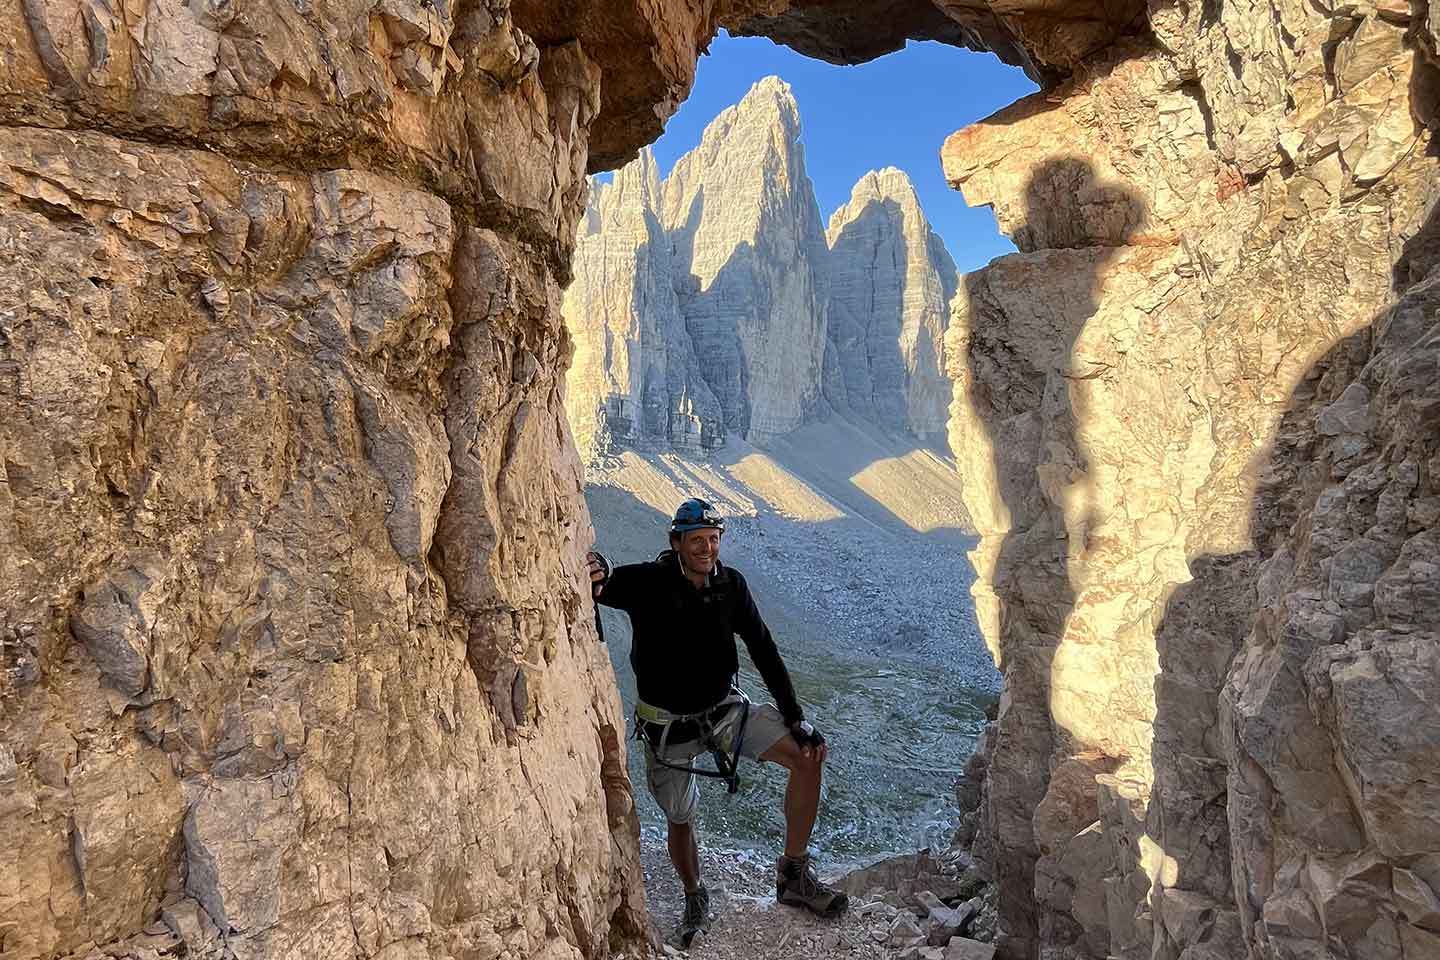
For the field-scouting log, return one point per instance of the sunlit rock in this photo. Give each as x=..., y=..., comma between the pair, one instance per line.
x=635, y=378
x=891, y=283
x=1148, y=396
x=711, y=304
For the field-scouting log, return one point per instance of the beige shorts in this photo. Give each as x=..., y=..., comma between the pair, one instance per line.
x=678, y=792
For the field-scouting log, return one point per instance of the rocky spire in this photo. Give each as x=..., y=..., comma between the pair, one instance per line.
x=749, y=251
x=702, y=305
x=634, y=378
x=891, y=281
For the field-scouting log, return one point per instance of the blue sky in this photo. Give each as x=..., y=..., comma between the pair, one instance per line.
x=895, y=111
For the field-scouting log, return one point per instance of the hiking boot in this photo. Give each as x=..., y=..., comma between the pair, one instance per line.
x=797, y=885
x=696, y=918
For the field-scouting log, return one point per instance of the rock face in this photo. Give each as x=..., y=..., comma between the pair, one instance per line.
x=1194, y=437
x=1045, y=38
x=635, y=378
x=749, y=251
x=712, y=305
x=715, y=323
x=297, y=658
x=891, y=283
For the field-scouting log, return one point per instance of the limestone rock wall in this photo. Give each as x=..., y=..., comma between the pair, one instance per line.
x=749, y=249
x=1331, y=712
x=296, y=656
x=891, y=283
x=699, y=304
x=635, y=379
x=1154, y=429
x=710, y=305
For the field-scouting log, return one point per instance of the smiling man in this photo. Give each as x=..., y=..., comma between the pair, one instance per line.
x=685, y=610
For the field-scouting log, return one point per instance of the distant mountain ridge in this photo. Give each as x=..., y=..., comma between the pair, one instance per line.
x=715, y=303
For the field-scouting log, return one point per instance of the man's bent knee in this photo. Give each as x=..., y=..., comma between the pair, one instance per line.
x=788, y=754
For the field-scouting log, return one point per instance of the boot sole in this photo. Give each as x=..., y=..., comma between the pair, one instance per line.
x=836, y=908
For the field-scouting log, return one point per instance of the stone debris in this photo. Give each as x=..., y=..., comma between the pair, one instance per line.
x=959, y=948
x=920, y=953
x=748, y=923
x=904, y=894
x=905, y=931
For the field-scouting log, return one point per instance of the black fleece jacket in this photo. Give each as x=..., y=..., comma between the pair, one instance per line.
x=683, y=648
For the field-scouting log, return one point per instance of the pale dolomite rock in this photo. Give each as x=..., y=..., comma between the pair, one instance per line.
x=1332, y=708
x=635, y=379
x=709, y=320
x=1198, y=230
x=891, y=282
x=675, y=351
x=749, y=255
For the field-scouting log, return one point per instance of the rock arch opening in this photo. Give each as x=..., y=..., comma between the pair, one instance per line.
x=732, y=345
x=297, y=660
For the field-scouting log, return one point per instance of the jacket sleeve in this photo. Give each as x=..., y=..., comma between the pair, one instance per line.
x=624, y=585
x=764, y=653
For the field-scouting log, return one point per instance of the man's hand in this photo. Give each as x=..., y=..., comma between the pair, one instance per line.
x=599, y=572
x=812, y=741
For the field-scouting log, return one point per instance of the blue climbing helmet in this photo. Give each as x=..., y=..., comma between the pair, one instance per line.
x=696, y=514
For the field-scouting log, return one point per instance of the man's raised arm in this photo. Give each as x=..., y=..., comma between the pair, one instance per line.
x=612, y=586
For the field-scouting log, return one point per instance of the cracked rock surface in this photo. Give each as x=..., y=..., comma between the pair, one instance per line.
x=295, y=657
x=1201, y=457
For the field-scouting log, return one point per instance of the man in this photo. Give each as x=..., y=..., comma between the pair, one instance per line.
x=685, y=608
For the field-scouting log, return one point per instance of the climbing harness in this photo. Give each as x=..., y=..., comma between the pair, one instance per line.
x=654, y=727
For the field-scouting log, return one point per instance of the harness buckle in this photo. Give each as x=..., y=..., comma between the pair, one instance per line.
x=727, y=767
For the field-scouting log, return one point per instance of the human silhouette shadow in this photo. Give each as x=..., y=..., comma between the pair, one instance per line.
x=1204, y=780
x=1025, y=312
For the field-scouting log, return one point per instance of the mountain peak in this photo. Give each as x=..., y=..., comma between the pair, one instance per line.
x=889, y=186
x=731, y=315
x=771, y=86
x=771, y=95
x=889, y=182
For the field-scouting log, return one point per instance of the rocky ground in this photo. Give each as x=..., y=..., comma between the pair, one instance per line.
x=902, y=911
x=851, y=538
x=883, y=595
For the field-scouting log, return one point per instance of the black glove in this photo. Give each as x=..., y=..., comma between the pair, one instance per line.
x=598, y=559
x=806, y=734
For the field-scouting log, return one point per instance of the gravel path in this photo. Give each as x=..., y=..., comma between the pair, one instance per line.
x=748, y=924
